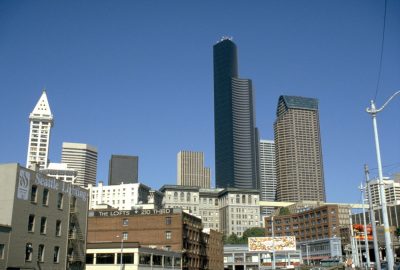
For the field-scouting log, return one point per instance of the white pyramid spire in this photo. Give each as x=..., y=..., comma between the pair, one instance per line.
x=41, y=122
x=42, y=108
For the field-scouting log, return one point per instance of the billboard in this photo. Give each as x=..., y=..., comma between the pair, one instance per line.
x=284, y=243
x=358, y=230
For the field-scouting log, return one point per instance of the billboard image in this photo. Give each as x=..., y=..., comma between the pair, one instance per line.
x=284, y=243
x=358, y=230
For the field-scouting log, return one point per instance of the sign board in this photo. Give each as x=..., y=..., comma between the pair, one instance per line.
x=23, y=185
x=284, y=243
x=113, y=213
x=28, y=178
x=358, y=230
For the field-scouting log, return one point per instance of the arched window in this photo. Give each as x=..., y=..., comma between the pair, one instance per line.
x=243, y=198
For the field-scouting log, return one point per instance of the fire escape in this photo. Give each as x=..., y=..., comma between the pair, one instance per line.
x=76, y=240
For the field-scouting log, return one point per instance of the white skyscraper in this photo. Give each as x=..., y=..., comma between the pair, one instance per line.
x=41, y=122
x=83, y=158
x=267, y=173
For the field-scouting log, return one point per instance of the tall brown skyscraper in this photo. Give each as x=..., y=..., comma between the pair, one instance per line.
x=191, y=170
x=300, y=174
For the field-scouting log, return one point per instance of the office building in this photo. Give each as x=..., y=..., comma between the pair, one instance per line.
x=191, y=170
x=267, y=174
x=42, y=221
x=229, y=211
x=317, y=230
x=40, y=124
x=61, y=172
x=236, y=136
x=167, y=229
x=300, y=175
x=392, y=192
x=82, y=158
x=123, y=169
x=124, y=197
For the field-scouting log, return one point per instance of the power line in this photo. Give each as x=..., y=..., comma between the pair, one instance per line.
x=381, y=56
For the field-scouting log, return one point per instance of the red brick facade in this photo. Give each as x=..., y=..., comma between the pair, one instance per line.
x=170, y=229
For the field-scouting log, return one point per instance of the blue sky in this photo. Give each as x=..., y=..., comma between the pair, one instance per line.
x=135, y=77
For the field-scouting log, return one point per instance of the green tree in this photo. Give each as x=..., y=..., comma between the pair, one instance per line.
x=284, y=211
x=254, y=232
x=232, y=239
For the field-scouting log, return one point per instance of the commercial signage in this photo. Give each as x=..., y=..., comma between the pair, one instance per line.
x=114, y=213
x=284, y=243
x=358, y=230
x=51, y=183
x=23, y=185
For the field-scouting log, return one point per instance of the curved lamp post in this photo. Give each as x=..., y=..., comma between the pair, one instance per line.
x=388, y=242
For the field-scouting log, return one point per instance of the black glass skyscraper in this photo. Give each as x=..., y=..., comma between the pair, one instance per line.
x=236, y=138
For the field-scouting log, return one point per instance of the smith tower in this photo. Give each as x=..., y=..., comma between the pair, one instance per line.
x=300, y=175
x=41, y=122
x=236, y=137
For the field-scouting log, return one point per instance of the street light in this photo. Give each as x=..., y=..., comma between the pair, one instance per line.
x=273, y=243
x=388, y=242
x=362, y=189
x=122, y=250
x=372, y=219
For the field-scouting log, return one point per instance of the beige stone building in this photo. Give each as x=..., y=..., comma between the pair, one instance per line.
x=191, y=170
x=298, y=151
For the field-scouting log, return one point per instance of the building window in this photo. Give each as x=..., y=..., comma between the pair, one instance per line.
x=34, y=194
x=124, y=236
x=45, y=200
x=41, y=253
x=31, y=223
x=125, y=222
x=168, y=235
x=56, y=258
x=28, y=252
x=105, y=258
x=43, y=225
x=168, y=220
x=1, y=251
x=60, y=200
x=58, y=228
x=89, y=258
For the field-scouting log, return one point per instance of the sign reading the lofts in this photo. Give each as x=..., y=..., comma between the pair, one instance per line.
x=134, y=212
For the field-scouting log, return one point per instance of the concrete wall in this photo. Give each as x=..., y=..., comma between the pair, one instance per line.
x=8, y=179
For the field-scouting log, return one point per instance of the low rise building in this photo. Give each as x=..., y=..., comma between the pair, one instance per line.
x=238, y=256
x=60, y=171
x=317, y=229
x=134, y=257
x=168, y=229
x=124, y=196
x=42, y=221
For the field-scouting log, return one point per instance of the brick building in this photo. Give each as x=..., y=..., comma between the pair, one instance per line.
x=317, y=230
x=168, y=229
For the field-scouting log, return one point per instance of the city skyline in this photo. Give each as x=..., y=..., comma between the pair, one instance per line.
x=119, y=80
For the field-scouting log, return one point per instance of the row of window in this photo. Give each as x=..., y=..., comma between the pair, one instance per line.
x=43, y=225
x=128, y=258
x=41, y=252
x=45, y=197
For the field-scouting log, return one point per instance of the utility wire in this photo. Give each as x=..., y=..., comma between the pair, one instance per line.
x=381, y=56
